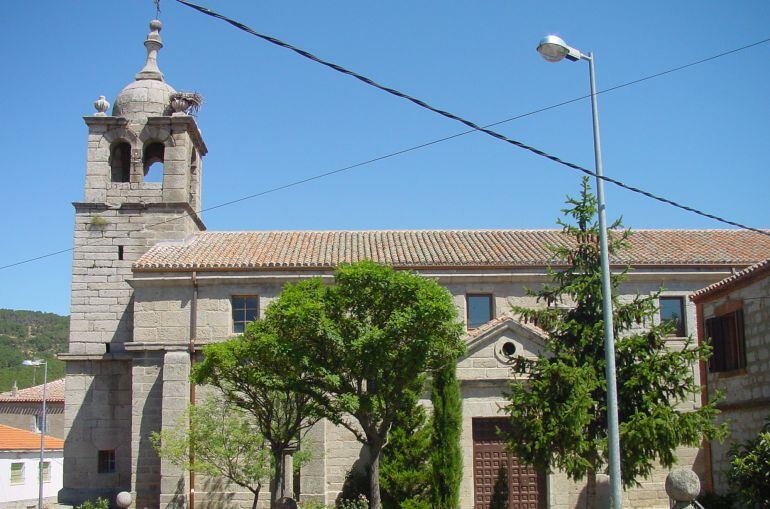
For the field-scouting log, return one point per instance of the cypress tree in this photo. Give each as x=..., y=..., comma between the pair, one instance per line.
x=404, y=469
x=446, y=457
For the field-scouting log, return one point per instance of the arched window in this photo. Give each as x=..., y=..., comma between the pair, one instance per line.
x=120, y=162
x=153, y=162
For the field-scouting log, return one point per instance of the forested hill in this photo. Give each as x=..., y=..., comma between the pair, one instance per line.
x=30, y=335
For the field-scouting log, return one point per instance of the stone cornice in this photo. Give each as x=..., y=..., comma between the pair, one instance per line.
x=166, y=206
x=190, y=125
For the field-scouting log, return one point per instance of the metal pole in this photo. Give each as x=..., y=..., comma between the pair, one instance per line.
x=42, y=436
x=613, y=431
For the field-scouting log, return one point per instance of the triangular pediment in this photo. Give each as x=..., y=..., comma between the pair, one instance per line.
x=492, y=347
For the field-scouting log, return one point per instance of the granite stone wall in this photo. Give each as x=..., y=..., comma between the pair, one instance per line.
x=747, y=391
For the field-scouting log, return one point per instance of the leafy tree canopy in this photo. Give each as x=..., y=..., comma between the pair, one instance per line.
x=226, y=442
x=359, y=346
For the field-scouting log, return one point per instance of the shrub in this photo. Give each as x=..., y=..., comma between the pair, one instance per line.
x=749, y=474
x=99, y=503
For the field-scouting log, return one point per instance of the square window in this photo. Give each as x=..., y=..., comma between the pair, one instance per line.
x=46, y=471
x=672, y=312
x=17, y=473
x=479, y=310
x=727, y=342
x=106, y=462
x=245, y=310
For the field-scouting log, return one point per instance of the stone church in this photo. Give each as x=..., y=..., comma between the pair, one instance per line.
x=150, y=287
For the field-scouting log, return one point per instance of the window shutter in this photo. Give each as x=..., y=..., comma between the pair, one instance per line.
x=740, y=341
x=717, y=347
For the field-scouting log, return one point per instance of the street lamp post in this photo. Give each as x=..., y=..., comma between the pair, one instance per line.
x=42, y=428
x=554, y=49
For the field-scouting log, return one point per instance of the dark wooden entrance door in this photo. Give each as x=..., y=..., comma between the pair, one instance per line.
x=500, y=481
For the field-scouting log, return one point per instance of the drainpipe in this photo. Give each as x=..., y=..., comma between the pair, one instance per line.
x=193, y=333
x=708, y=460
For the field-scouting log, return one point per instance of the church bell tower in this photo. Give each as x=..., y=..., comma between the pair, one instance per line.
x=142, y=186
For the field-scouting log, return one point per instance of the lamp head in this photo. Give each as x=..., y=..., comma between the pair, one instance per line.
x=32, y=363
x=553, y=49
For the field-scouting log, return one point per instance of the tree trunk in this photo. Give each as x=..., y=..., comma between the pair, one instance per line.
x=256, y=498
x=276, y=483
x=375, y=502
x=591, y=490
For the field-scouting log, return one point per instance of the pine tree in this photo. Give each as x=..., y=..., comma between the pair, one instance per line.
x=559, y=418
x=446, y=457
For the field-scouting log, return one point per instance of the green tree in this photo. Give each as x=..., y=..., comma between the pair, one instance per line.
x=749, y=474
x=359, y=346
x=405, y=467
x=559, y=416
x=281, y=415
x=446, y=456
x=226, y=442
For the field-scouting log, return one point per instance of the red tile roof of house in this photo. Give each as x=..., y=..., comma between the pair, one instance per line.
x=15, y=439
x=277, y=250
x=737, y=280
x=54, y=394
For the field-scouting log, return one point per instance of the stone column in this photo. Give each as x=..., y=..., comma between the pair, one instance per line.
x=288, y=476
x=313, y=473
x=176, y=391
x=147, y=395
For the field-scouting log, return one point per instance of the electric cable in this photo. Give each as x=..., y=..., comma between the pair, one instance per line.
x=472, y=125
x=417, y=147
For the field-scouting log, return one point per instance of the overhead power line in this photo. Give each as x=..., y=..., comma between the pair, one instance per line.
x=472, y=125
x=416, y=147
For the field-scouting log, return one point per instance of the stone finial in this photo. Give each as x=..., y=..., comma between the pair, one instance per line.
x=683, y=485
x=101, y=106
x=153, y=43
x=124, y=499
x=180, y=105
x=15, y=390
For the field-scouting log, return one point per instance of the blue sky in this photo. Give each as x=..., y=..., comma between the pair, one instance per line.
x=271, y=117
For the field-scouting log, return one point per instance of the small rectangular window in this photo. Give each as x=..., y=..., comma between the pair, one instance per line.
x=672, y=312
x=17, y=473
x=727, y=342
x=106, y=462
x=46, y=471
x=39, y=424
x=245, y=310
x=480, y=310
x=120, y=252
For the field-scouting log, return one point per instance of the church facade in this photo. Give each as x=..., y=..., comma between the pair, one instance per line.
x=151, y=287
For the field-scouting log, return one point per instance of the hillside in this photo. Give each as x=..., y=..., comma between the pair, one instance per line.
x=30, y=335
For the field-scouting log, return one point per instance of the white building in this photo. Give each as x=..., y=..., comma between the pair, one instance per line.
x=19, y=463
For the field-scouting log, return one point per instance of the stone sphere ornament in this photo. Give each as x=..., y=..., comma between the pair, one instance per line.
x=101, y=106
x=124, y=499
x=683, y=485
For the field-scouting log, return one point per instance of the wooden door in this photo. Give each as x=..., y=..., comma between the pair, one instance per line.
x=498, y=476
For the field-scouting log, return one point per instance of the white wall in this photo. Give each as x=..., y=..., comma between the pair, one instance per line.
x=29, y=489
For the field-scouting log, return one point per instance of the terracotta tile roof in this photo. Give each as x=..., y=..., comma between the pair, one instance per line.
x=737, y=280
x=54, y=394
x=15, y=439
x=259, y=250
